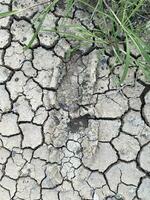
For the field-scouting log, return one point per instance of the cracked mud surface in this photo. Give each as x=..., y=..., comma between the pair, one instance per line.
x=66, y=131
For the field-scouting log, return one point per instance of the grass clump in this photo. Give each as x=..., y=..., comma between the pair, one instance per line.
x=120, y=25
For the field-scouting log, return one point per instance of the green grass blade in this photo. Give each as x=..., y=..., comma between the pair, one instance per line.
x=95, y=9
x=47, y=9
x=10, y=13
x=137, y=7
x=127, y=62
x=69, y=6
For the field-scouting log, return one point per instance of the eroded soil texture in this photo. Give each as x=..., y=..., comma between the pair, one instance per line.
x=67, y=132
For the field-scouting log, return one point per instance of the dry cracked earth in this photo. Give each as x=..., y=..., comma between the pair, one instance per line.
x=66, y=131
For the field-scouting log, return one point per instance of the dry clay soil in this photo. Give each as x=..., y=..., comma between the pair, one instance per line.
x=66, y=131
